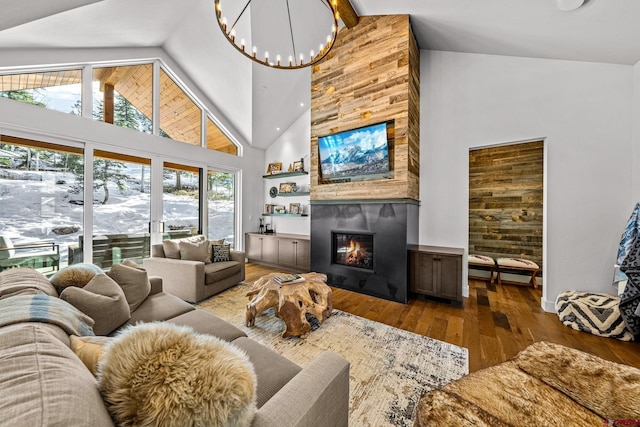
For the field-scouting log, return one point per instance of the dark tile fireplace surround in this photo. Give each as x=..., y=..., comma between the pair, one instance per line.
x=362, y=246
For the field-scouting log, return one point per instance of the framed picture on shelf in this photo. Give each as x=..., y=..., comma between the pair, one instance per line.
x=274, y=168
x=268, y=208
x=298, y=166
x=287, y=187
x=295, y=208
x=278, y=209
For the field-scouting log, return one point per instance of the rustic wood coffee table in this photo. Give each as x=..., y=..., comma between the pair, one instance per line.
x=292, y=302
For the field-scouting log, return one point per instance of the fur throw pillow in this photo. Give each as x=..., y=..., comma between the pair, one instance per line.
x=74, y=275
x=163, y=374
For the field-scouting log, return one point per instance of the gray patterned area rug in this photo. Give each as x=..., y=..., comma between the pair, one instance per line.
x=390, y=368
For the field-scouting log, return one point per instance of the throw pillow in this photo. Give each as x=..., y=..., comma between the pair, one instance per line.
x=164, y=374
x=74, y=275
x=171, y=247
x=220, y=252
x=89, y=350
x=133, y=264
x=102, y=300
x=134, y=283
x=195, y=251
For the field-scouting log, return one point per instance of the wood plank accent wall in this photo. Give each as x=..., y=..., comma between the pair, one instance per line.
x=371, y=75
x=505, y=201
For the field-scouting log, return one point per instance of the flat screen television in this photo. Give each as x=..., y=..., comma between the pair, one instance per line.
x=355, y=154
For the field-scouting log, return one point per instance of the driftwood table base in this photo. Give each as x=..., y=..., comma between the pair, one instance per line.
x=291, y=302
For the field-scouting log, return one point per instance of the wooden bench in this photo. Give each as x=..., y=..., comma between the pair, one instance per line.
x=518, y=266
x=482, y=263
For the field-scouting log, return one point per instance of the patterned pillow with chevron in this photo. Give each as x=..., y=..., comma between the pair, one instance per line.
x=598, y=314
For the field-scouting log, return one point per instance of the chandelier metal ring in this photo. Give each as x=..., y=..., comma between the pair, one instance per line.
x=293, y=57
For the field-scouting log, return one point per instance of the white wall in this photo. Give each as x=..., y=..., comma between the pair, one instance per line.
x=582, y=110
x=292, y=145
x=636, y=133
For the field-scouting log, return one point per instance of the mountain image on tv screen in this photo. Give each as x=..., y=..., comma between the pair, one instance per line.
x=361, y=151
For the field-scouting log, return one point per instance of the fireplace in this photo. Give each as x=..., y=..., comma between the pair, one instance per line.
x=362, y=245
x=352, y=249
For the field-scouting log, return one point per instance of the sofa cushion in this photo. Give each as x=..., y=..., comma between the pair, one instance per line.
x=103, y=300
x=171, y=247
x=134, y=282
x=198, y=251
x=160, y=306
x=44, y=383
x=89, y=350
x=23, y=280
x=164, y=374
x=272, y=369
x=74, y=275
x=206, y=323
x=516, y=398
x=609, y=389
x=439, y=408
x=217, y=271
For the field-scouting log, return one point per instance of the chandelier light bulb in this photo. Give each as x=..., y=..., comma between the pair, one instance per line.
x=242, y=44
x=266, y=56
x=232, y=34
x=290, y=60
x=278, y=59
x=312, y=55
x=301, y=59
x=224, y=23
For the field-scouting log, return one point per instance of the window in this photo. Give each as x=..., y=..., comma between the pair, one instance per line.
x=217, y=140
x=56, y=90
x=221, y=206
x=123, y=96
x=180, y=117
x=41, y=195
x=180, y=200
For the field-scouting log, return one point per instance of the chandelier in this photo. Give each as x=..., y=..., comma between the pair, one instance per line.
x=286, y=34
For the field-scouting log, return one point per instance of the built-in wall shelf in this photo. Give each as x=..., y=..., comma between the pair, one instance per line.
x=285, y=174
x=284, y=214
x=294, y=194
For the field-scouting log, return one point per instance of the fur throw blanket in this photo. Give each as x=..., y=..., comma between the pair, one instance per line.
x=46, y=309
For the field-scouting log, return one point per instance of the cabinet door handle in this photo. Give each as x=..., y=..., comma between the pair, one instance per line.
x=437, y=259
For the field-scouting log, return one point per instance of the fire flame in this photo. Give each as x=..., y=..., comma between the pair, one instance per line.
x=353, y=252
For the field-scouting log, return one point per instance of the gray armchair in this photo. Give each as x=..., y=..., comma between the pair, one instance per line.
x=194, y=281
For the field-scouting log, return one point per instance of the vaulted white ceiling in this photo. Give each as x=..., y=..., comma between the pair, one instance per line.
x=256, y=100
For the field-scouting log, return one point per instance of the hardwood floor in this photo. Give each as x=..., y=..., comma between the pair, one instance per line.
x=494, y=323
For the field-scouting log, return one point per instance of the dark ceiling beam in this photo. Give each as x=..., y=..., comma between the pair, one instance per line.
x=347, y=13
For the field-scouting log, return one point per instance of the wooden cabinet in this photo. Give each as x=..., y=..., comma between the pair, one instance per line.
x=290, y=251
x=436, y=271
x=261, y=248
x=293, y=252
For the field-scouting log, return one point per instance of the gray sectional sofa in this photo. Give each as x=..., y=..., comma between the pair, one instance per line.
x=44, y=383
